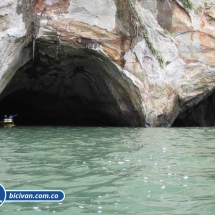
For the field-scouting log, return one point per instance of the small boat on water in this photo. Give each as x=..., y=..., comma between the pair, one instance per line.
x=8, y=121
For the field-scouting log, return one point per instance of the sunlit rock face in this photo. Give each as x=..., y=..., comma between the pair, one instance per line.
x=194, y=34
x=89, y=62
x=16, y=34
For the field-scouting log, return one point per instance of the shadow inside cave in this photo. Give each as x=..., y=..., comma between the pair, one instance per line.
x=201, y=115
x=74, y=86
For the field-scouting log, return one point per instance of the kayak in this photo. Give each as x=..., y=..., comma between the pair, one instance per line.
x=7, y=122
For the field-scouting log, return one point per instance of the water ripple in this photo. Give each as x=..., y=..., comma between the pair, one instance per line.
x=111, y=170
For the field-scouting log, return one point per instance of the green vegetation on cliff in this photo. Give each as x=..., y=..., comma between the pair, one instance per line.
x=188, y=4
x=151, y=46
x=154, y=51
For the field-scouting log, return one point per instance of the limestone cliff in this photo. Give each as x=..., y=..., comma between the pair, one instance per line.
x=139, y=63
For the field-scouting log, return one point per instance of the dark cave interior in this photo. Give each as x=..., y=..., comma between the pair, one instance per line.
x=50, y=110
x=76, y=87
x=203, y=114
x=41, y=95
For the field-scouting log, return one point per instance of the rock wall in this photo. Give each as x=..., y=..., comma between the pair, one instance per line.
x=15, y=35
x=157, y=58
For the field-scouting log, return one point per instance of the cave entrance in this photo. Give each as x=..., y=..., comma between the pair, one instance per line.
x=68, y=86
x=202, y=114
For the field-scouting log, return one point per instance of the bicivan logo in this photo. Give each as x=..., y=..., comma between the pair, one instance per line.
x=2, y=195
x=30, y=195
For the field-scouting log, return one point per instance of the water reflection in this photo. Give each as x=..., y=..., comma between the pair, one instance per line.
x=111, y=170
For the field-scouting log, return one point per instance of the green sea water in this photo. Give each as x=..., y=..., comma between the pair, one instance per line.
x=111, y=170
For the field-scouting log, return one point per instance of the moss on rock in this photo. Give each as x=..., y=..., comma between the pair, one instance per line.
x=188, y=4
x=154, y=51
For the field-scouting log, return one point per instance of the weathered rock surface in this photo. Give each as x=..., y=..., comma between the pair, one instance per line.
x=94, y=59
